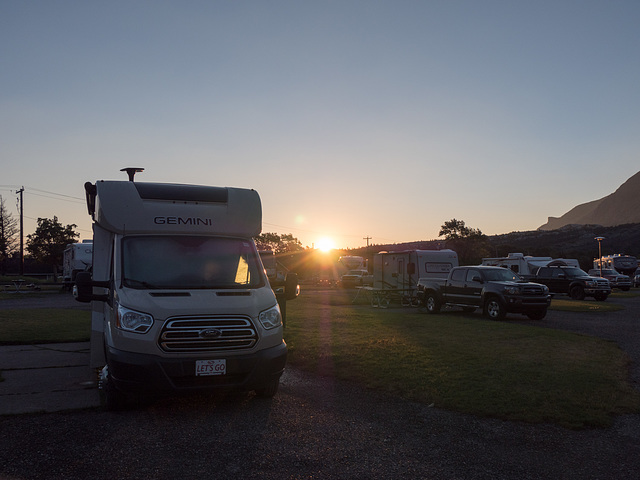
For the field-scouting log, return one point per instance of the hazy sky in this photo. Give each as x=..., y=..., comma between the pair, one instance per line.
x=350, y=118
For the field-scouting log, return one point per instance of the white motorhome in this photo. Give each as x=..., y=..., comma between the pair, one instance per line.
x=527, y=265
x=76, y=258
x=624, y=264
x=402, y=270
x=180, y=299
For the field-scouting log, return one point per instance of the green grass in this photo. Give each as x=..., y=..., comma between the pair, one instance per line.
x=463, y=363
x=44, y=325
x=457, y=362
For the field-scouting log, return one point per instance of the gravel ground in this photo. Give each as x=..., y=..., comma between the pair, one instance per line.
x=317, y=428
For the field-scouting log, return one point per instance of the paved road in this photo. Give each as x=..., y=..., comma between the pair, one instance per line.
x=322, y=429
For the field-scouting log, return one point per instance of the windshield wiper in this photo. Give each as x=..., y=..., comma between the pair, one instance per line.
x=139, y=284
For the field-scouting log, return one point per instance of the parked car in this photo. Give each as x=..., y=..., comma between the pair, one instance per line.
x=574, y=282
x=616, y=280
x=356, y=278
x=495, y=290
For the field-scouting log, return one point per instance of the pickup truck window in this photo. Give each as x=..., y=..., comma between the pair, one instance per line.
x=501, y=275
x=458, y=275
x=471, y=274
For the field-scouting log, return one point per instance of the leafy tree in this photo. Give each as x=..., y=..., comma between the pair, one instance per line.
x=8, y=234
x=48, y=242
x=285, y=243
x=469, y=243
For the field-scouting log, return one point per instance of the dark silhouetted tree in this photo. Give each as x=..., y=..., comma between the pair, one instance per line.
x=285, y=243
x=48, y=242
x=8, y=236
x=469, y=243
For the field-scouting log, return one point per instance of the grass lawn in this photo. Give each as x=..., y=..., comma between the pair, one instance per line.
x=458, y=362
x=44, y=325
x=462, y=362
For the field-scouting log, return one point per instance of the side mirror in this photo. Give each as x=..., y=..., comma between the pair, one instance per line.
x=477, y=279
x=84, y=288
x=291, y=286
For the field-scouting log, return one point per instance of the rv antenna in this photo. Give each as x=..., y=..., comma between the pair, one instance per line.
x=131, y=171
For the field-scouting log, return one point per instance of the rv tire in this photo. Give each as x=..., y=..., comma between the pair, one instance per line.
x=270, y=390
x=111, y=398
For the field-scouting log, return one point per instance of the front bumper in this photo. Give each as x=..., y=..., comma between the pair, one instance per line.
x=524, y=304
x=141, y=373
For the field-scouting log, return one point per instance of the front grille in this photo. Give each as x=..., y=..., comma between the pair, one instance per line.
x=207, y=334
x=602, y=283
x=532, y=290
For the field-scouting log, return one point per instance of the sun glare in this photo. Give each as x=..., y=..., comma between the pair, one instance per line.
x=325, y=244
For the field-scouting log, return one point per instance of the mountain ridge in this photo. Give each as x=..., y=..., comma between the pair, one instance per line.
x=618, y=208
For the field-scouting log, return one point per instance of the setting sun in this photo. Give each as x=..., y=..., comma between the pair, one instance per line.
x=325, y=244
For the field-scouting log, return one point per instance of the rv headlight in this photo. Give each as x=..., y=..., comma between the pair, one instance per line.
x=133, y=321
x=271, y=318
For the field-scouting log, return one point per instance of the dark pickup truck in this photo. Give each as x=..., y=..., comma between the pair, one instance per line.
x=573, y=281
x=496, y=290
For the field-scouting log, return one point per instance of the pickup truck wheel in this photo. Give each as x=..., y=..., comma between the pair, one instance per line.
x=431, y=303
x=577, y=293
x=537, y=314
x=494, y=309
x=600, y=297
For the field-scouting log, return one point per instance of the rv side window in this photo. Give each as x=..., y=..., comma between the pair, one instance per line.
x=190, y=263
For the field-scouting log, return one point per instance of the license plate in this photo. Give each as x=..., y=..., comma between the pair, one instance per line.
x=211, y=367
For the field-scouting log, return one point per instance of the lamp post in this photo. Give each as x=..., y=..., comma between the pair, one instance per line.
x=599, y=240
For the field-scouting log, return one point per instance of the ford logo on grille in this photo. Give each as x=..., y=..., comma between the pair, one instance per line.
x=210, y=333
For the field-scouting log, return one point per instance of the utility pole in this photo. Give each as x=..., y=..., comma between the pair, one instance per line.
x=367, y=239
x=21, y=232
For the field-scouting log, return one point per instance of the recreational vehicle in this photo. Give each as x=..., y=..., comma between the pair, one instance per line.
x=76, y=258
x=624, y=264
x=527, y=266
x=402, y=270
x=179, y=297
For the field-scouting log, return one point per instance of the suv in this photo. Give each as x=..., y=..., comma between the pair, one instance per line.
x=573, y=281
x=617, y=280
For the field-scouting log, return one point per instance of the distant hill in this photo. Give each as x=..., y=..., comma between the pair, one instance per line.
x=619, y=208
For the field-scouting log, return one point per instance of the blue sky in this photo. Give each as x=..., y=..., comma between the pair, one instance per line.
x=350, y=118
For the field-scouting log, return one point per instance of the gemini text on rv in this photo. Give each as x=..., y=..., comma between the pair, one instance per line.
x=181, y=221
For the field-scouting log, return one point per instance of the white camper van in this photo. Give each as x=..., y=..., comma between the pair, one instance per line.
x=76, y=258
x=180, y=299
x=402, y=270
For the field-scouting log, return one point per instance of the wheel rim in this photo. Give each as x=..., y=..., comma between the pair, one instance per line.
x=493, y=309
x=431, y=304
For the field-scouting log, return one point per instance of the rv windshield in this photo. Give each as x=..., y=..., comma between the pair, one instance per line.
x=190, y=262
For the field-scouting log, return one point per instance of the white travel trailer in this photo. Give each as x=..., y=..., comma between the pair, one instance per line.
x=527, y=265
x=76, y=258
x=623, y=264
x=402, y=270
x=180, y=299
